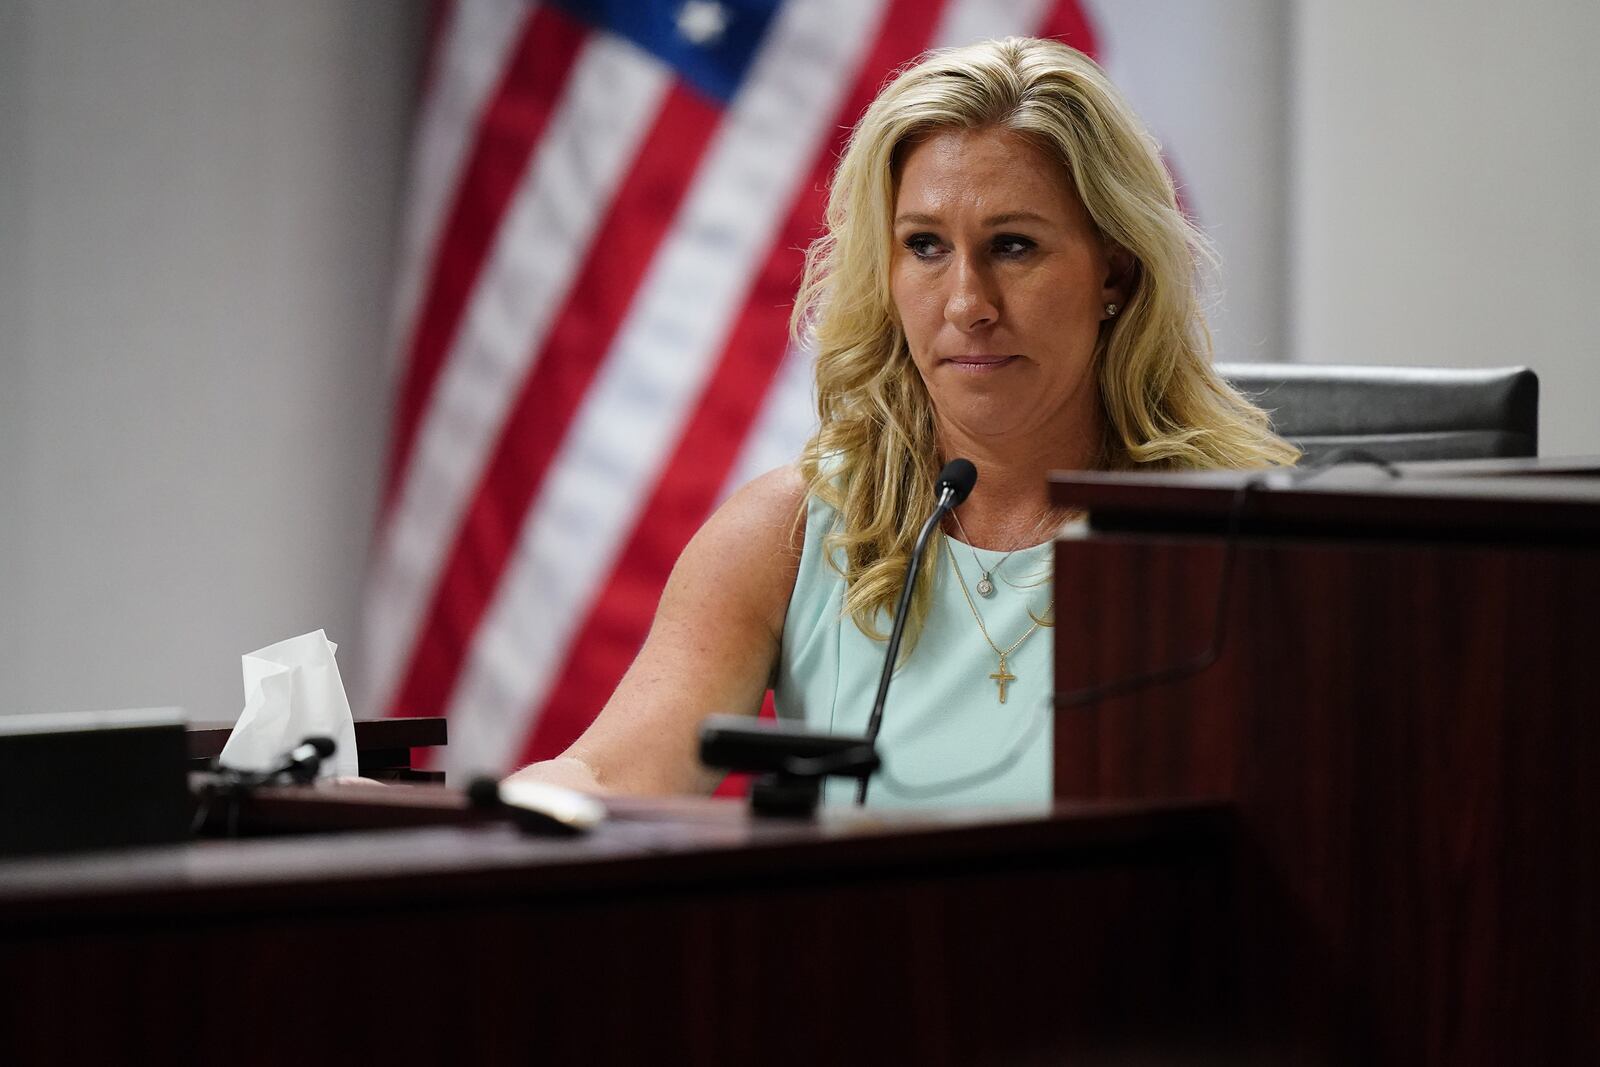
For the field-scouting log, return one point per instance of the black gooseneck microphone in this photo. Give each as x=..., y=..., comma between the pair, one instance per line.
x=954, y=484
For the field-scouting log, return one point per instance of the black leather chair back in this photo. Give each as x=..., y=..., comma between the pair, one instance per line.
x=1396, y=413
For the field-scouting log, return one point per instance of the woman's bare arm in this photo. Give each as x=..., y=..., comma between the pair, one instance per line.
x=711, y=649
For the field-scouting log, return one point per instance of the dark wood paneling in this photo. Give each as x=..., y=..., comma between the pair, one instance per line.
x=1410, y=735
x=1525, y=500
x=704, y=939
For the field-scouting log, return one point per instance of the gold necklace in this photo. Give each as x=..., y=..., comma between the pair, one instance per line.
x=985, y=574
x=1002, y=676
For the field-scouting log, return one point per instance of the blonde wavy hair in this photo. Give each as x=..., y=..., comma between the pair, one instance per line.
x=875, y=456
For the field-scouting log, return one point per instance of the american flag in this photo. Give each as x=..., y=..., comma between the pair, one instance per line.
x=609, y=206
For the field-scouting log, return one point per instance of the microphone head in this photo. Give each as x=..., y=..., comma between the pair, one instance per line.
x=484, y=792
x=959, y=476
x=323, y=746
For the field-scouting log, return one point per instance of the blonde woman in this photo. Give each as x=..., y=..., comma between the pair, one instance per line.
x=1006, y=276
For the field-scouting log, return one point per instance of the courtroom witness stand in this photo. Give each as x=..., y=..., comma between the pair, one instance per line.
x=1006, y=277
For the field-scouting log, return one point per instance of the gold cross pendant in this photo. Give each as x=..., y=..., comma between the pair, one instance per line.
x=1001, y=677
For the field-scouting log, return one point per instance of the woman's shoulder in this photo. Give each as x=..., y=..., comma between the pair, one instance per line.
x=770, y=502
x=751, y=545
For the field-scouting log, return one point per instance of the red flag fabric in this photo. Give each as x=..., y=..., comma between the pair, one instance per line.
x=608, y=211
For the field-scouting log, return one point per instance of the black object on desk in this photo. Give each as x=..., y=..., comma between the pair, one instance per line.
x=791, y=761
x=93, y=779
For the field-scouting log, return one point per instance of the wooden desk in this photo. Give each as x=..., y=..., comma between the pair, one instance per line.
x=1403, y=712
x=681, y=932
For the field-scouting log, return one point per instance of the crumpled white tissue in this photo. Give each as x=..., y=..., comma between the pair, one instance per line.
x=292, y=690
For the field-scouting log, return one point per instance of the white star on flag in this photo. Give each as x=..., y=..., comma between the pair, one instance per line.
x=702, y=22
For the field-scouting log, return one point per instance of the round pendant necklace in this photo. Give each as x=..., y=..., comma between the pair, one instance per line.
x=986, y=575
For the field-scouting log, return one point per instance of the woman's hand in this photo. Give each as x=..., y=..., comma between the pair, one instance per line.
x=564, y=770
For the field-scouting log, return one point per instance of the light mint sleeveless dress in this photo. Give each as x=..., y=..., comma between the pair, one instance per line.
x=946, y=739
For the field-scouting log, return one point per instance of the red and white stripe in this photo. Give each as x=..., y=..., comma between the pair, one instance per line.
x=550, y=224
x=594, y=300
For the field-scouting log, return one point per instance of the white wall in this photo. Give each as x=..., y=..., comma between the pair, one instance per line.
x=197, y=207
x=1210, y=78
x=1446, y=192
x=13, y=255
